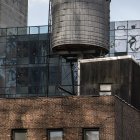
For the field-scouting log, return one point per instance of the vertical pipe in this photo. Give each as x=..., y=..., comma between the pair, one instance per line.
x=78, y=77
x=72, y=77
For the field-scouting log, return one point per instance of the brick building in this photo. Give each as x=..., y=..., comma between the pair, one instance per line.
x=69, y=118
x=30, y=74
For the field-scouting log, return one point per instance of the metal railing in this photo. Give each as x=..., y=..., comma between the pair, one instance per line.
x=24, y=30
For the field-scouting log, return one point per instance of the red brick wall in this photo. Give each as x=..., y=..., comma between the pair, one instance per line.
x=70, y=113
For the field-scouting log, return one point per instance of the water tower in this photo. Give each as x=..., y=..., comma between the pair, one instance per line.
x=80, y=29
x=80, y=26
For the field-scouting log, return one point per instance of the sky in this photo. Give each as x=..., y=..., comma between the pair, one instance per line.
x=120, y=10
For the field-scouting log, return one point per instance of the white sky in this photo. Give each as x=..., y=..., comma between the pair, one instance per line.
x=120, y=10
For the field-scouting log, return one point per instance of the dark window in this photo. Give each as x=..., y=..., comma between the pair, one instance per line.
x=19, y=134
x=22, y=49
x=22, y=76
x=91, y=134
x=55, y=134
x=54, y=75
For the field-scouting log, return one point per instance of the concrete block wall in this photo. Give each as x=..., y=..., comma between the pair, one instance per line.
x=13, y=13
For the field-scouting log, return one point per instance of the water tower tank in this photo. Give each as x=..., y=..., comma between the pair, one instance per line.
x=80, y=25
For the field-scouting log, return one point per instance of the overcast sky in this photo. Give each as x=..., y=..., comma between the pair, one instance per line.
x=120, y=10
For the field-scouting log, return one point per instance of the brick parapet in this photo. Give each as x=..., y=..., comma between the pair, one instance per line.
x=70, y=113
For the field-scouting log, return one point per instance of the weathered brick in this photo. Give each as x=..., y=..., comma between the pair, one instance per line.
x=70, y=113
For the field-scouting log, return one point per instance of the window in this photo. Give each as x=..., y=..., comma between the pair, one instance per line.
x=105, y=89
x=55, y=134
x=91, y=134
x=19, y=134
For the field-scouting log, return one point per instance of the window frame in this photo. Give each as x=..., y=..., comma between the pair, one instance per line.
x=17, y=130
x=90, y=129
x=55, y=130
